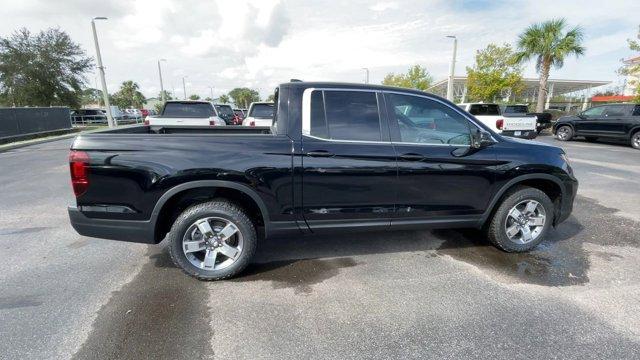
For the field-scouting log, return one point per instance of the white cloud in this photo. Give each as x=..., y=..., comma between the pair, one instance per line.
x=225, y=43
x=382, y=6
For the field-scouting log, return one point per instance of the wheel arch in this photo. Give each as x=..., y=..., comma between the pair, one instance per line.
x=172, y=202
x=546, y=183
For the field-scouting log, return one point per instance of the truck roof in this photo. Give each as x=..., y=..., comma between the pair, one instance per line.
x=338, y=85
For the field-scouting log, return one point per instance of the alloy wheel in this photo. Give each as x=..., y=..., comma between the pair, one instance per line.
x=212, y=243
x=525, y=221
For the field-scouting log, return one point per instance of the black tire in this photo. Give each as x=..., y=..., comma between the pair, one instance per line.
x=635, y=140
x=564, y=133
x=496, y=231
x=591, y=138
x=220, y=209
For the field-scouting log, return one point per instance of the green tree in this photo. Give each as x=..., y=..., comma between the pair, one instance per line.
x=44, y=69
x=629, y=68
x=550, y=43
x=243, y=97
x=417, y=77
x=128, y=96
x=91, y=96
x=167, y=95
x=208, y=99
x=224, y=99
x=494, y=71
x=194, y=97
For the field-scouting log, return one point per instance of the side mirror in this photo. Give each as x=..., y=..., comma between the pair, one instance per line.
x=481, y=139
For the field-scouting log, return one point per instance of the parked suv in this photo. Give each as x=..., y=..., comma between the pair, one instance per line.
x=612, y=121
x=338, y=157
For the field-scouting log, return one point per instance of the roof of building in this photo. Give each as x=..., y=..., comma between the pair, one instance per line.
x=560, y=86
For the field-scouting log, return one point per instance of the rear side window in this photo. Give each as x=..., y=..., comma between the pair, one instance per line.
x=345, y=115
x=636, y=110
x=188, y=110
x=484, y=109
x=262, y=111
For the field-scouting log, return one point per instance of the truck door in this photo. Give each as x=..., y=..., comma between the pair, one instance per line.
x=438, y=176
x=349, y=166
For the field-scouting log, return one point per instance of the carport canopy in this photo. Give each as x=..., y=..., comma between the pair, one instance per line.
x=556, y=87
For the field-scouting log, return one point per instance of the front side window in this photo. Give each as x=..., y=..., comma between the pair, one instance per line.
x=425, y=121
x=345, y=115
x=594, y=111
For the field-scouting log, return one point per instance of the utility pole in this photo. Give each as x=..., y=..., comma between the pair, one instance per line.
x=105, y=93
x=161, y=86
x=211, y=88
x=184, y=88
x=366, y=75
x=452, y=68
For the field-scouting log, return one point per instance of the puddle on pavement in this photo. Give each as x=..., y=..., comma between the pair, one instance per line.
x=29, y=230
x=300, y=275
x=13, y=302
x=161, y=314
x=559, y=261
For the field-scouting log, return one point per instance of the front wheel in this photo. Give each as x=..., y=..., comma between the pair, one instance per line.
x=635, y=140
x=212, y=241
x=564, y=133
x=522, y=220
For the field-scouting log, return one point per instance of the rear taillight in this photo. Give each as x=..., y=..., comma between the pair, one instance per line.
x=252, y=123
x=500, y=124
x=79, y=166
x=212, y=122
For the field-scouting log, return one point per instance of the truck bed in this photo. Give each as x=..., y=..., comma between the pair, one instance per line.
x=150, y=129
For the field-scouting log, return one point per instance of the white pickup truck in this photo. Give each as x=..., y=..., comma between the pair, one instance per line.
x=514, y=126
x=186, y=113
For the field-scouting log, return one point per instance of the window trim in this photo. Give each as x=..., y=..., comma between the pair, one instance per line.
x=306, y=115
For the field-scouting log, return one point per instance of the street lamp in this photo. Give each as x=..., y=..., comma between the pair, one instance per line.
x=105, y=94
x=184, y=87
x=366, y=75
x=211, y=88
x=161, y=86
x=452, y=68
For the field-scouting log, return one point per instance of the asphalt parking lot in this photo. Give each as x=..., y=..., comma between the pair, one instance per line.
x=438, y=294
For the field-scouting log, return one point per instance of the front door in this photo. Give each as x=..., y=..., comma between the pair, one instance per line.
x=349, y=166
x=439, y=175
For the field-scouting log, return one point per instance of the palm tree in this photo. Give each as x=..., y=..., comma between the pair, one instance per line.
x=549, y=44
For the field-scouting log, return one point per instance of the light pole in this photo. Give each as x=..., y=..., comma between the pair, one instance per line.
x=452, y=68
x=211, y=88
x=366, y=75
x=184, y=87
x=161, y=86
x=105, y=94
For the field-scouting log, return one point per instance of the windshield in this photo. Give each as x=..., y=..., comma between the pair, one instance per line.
x=484, y=109
x=224, y=111
x=516, y=109
x=187, y=109
x=262, y=111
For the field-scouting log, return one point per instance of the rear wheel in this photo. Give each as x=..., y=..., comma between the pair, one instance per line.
x=564, y=133
x=635, y=140
x=522, y=220
x=212, y=241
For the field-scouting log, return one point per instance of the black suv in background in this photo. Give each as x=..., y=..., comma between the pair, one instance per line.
x=612, y=121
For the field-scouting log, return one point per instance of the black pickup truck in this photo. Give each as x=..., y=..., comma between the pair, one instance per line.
x=338, y=157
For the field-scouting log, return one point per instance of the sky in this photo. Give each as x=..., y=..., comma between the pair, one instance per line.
x=225, y=44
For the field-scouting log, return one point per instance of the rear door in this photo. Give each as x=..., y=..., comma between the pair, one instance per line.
x=349, y=166
x=615, y=119
x=439, y=176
